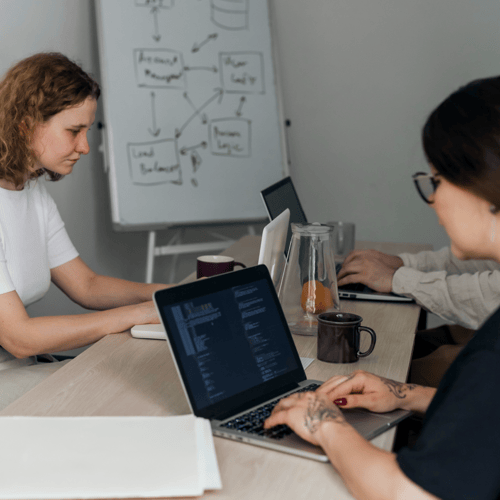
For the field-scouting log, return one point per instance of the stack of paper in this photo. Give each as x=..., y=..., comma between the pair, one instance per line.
x=106, y=457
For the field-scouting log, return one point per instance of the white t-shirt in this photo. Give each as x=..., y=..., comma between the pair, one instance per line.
x=33, y=240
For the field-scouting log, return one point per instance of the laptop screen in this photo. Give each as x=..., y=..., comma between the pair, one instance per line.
x=230, y=340
x=280, y=196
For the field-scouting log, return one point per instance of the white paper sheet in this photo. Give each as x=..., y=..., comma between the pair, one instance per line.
x=106, y=457
x=207, y=462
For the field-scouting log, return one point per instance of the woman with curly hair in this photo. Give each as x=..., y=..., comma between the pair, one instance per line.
x=47, y=106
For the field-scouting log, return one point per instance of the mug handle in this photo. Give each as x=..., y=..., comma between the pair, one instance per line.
x=372, y=345
x=240, y=264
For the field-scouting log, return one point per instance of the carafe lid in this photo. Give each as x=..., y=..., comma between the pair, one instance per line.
x=314, y=229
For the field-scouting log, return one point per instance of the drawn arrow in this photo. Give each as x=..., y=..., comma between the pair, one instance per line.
x=156, y=36
x=155, y=130
x=218, y=95
x=186, y=96
x=221, y=94
x=242, y=101
x=198, y=46
x=185, y=149
x=205, y=68
x=195, y=160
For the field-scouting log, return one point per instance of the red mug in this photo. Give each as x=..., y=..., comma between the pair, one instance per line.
x=210, y=265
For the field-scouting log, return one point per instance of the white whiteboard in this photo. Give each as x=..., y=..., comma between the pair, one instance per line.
x=192, y=122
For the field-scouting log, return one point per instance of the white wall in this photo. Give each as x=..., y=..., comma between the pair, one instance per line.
x=359, y=78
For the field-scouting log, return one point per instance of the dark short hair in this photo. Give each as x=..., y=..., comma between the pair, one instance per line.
x=461, y=138
x=31, y=92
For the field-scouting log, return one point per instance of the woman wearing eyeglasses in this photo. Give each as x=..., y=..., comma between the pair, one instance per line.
x=457, y=454
x=464, y=293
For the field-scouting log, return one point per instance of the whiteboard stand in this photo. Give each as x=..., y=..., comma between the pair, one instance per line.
x=175, y=247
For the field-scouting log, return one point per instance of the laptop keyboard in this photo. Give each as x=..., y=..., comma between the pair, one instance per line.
x=253, y=421
x=353, y=287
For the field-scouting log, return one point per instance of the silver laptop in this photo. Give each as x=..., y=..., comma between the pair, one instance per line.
x=282, y=195
x=272, y=246
x=236, y=358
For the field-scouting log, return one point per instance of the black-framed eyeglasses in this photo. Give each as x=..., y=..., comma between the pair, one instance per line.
x=426, y=185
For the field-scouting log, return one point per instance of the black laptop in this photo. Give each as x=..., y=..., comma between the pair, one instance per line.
x=236, y=358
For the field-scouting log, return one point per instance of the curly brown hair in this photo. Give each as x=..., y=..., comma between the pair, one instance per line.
x=31, y=92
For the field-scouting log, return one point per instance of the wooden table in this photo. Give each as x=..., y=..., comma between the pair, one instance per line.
x=120, y=375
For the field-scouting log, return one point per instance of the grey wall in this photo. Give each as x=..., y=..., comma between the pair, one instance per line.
x=359, y=78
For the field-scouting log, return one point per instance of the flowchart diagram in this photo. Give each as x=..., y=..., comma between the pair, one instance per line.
x=240, y=78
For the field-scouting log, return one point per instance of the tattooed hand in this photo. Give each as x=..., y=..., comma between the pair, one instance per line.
x=366, y=390
x=305, y=413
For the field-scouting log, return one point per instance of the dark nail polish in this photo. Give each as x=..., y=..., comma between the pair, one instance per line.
x=341, y=402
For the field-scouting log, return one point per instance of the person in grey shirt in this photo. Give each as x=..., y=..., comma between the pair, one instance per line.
x=463, y=293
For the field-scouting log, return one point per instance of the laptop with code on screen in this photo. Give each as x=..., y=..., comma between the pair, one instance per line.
x=236, y=358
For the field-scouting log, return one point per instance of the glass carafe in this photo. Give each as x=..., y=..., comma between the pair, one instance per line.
x=309, y=283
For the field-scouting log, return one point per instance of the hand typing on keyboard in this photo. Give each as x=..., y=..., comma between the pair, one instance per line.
x=307, y=414
x=369, y=267
x=253, y=421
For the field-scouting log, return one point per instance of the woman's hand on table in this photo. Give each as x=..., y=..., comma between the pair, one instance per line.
x=306, y=413
x=145, y=313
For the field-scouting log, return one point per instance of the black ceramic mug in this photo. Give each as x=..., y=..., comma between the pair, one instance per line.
x=339, y=337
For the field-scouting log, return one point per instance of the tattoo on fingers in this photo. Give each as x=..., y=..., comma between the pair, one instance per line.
x=318, y=411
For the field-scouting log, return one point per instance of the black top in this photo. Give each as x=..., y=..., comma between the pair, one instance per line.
x=457, y=454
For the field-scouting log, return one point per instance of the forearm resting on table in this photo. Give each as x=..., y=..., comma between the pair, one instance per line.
x=466, y=299
x=105, y=292
x=95, y=291
x=99, y=293
x=368, y=472
x=30, y=336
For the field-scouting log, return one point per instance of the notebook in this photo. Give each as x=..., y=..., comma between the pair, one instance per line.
x=107, y=457
x=272, y=246
x=236, y=358
x=282, y=195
